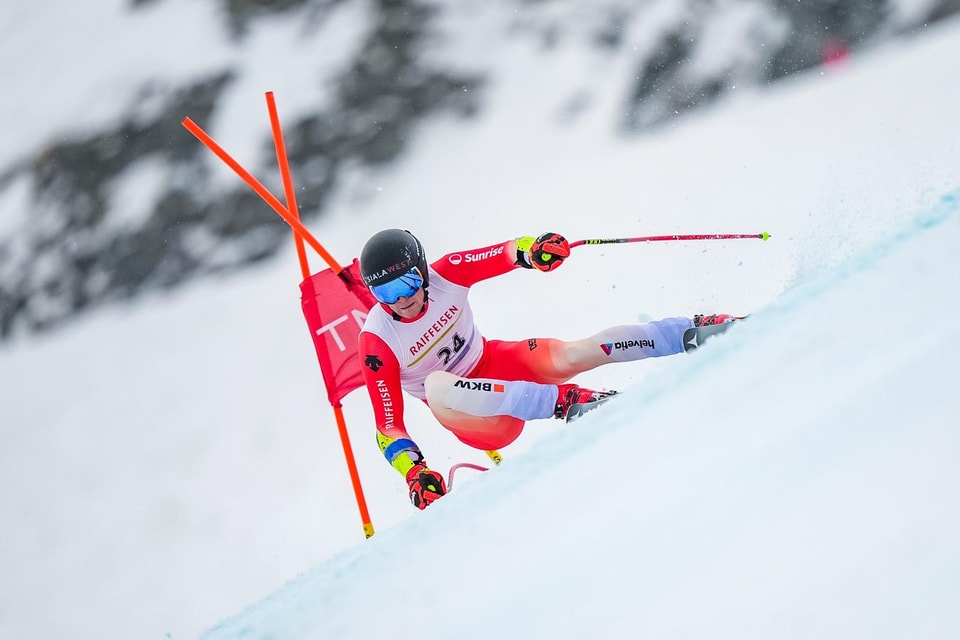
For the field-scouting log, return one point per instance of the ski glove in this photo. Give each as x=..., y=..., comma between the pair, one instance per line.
x=425, y=485
x=545, y=253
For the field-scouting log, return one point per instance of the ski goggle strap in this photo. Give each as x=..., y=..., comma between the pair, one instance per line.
x=402, y=287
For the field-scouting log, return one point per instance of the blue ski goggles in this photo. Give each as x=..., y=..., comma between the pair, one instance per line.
x=402, y=287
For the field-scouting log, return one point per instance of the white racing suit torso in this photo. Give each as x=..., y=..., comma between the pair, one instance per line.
x=445, y=338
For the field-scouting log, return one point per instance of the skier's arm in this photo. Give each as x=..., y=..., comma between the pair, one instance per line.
x=381, y=375
x=466, y=268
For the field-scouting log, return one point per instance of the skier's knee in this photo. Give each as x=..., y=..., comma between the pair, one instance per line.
x=436, y=386
x=571, y=358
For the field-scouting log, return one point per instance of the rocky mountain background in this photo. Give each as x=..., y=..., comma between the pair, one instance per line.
x=67, y=245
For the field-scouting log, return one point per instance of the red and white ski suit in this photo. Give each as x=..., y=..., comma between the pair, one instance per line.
x=399, y=354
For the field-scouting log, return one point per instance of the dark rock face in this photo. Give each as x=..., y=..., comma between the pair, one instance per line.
x=77, y=251
x=823, y=24
x=87, y=260
x=782, y=37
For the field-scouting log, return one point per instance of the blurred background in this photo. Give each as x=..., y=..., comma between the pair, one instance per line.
x=166, y=452
x=103, y=195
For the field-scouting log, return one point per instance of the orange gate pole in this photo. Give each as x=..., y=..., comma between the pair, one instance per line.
x=291, y=198
x=302, y=235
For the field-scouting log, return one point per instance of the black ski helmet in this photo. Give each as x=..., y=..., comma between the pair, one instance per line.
x=389, y=254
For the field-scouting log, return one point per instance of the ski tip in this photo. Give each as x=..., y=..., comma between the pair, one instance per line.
x=764, y=235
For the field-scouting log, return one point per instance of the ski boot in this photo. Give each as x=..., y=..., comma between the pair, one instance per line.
x=707, y=326
x=574, y=401
x=702, y=320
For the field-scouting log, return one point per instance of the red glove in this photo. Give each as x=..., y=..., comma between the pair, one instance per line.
x=548, y=251
x=425, y=485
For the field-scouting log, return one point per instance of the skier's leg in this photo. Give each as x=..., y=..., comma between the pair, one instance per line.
x=487, y=414
x=555, y=361
x=486, y=434
x=623, y=344
x=518, y=381
x=485, y=431
x=490, y=397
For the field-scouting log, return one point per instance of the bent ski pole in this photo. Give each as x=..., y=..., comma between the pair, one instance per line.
x=763, y=235
x=461, y=465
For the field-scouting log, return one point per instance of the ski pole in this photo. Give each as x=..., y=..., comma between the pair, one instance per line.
x=461, y=465
x=763, y=235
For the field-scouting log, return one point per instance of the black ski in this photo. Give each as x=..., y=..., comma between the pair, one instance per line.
x=695, y=336
x=577, y=410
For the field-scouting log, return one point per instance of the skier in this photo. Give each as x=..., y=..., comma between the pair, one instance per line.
x=422, y=339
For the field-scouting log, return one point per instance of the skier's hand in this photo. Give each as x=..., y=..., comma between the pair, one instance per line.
x=545, y=253
x=425, y=485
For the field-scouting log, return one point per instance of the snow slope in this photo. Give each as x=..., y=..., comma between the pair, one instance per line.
x=794, y=479
x=163, y=466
